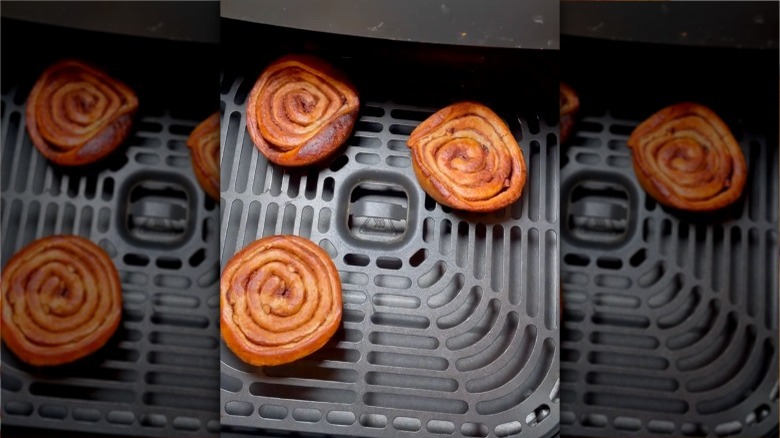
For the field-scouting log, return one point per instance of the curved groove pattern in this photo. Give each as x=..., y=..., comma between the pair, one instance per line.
x=668, y=293
x=749, y=378
x=433, y=276
x=682, y=312
x=463, y=312
x=726, y=367
x=514, y=364
x=479, y=331
x=534, y=379
x=652, y=276
x=716, y=347
x=710, y=321
x=448, y=294
x=495, y=350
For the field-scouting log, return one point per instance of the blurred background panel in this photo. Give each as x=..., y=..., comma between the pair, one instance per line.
x=158, y=375
x=670, y=319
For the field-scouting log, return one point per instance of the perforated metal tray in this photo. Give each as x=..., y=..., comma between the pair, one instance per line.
x=450, y=320
x=158, y=375
x=670, y=319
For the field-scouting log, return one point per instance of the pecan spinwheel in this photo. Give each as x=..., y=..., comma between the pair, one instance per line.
x=204, y=145
x=570, y=104
x=77, y=114
x=466, y=157
x=61, y=300
x=300, y=111
x=685, y=157
x=280, y=299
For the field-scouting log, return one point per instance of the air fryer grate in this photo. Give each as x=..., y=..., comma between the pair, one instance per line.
x=670, y=318
x=157, y=375
x=450, y=319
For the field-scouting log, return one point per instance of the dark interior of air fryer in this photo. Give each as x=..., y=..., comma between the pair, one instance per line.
x=670, y=318
x=450, y=319
x=157, y=375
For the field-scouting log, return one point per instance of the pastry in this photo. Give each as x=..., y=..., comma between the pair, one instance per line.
x=685, y=157
x=300, y=111
x=76, y=114
x=570, y=104
x=466, y=157
x=204, y=146
x=280, y=300
x=61, y=300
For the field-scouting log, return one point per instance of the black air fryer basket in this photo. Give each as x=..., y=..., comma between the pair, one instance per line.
x=670, y=318
x=450, y=320
x=158, y=375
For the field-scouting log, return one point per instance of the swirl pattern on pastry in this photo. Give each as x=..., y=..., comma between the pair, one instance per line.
x=685, y=157
x=570, y=104
x=465, y=157
x=300, y=111
x=61, y=300
x=204, y=146
x=77, y=114
x=280, y=300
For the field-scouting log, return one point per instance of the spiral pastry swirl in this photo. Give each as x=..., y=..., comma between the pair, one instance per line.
x=280, y=300
x=465, y=157
x=300, y=111
x=61, y=300
x=570, y=104
x=76, y=114
x=685, y=157
x=204, y=146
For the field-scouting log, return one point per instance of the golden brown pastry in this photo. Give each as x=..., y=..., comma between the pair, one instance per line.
x=466, y=157
x=280, y=299
x=300, y=110
x=570, y=104
x=61, y=300
x=204, y=146
x=685, y=157
x=76, y=114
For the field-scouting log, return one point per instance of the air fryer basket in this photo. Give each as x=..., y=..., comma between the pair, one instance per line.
x=158, y=375
x=670, y=318
x=450, y=320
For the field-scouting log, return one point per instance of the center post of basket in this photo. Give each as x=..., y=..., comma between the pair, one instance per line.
x=377, y=209
x=599, y=210
x=159, y=210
